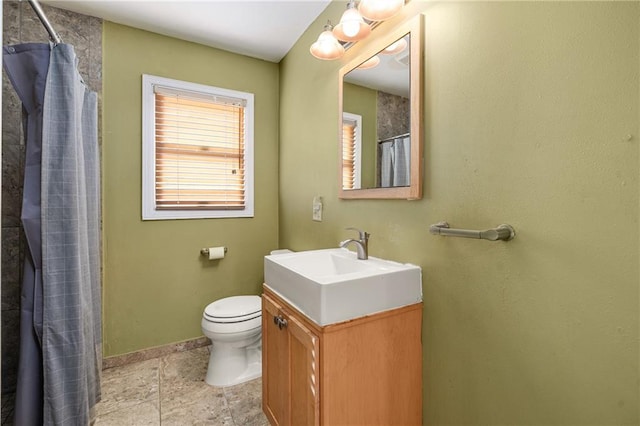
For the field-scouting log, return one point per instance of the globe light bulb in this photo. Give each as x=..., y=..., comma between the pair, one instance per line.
x=327, y=47
x=396, y=47
x=351, y=22
x=351, y=27
x=370, y=63
x=379, y=10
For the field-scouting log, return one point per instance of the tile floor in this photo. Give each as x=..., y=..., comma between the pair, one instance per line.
x=171, y=391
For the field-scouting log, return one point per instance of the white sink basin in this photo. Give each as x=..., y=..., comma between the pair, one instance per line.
x=332, y=285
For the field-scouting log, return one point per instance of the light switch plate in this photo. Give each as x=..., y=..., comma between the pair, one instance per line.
x=317, y=209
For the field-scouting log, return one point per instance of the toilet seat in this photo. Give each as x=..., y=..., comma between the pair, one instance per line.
x=236, y=314
x=233, y=309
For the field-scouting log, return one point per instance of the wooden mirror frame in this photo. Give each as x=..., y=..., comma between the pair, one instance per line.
x=380, y=39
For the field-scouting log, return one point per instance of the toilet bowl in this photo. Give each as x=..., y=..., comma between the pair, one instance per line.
x=234, y=325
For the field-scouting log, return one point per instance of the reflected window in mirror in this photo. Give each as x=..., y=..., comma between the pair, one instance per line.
x=351, y=151
x=382, y=84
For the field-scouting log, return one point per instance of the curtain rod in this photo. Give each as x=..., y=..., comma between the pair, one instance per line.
x=404, y=135
x=43, y=18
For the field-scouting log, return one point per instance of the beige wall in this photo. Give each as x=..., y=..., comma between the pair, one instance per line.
x=155, y=282
x=528, y=108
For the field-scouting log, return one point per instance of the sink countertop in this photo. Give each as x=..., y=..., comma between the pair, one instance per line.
x=332, y=285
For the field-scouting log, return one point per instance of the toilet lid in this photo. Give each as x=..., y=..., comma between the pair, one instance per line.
x=235, y=308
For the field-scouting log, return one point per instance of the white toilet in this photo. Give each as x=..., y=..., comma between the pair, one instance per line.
x=234, y=325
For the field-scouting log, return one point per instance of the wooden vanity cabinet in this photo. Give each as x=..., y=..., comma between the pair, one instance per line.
x=289, y=351
x=366, y=371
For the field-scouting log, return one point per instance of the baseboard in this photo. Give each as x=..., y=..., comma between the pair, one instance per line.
x=156, y=352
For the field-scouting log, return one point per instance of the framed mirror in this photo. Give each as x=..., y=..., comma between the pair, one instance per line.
x=380, y=104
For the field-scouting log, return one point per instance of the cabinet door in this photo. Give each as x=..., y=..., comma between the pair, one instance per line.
x=304, y=358
x=275, y=364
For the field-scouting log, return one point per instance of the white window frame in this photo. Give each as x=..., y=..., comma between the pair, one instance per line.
x=350, y=117
x=149, y=211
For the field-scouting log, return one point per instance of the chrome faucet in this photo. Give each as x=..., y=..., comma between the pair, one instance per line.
x=362, y=243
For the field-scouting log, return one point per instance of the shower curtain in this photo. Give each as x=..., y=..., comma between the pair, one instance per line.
x=60, y=332
x=395, y=161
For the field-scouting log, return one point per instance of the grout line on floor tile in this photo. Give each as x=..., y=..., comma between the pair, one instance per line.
x=160, y=369
x=226, y=401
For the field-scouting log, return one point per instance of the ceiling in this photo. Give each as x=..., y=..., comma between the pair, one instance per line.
x=391, y=75
x=264, y=29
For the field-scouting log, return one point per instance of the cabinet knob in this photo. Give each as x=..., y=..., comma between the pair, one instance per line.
x=280, y=321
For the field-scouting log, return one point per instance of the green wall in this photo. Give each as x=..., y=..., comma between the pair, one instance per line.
x=156, y=285
x=528, y=108
x=363, y=101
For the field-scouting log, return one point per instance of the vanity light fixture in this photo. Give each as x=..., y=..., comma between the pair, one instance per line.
x=355, y=24
x=379, y=10
x=351, y=26
x=396, y=47
x=372, y=62
x=327, y=47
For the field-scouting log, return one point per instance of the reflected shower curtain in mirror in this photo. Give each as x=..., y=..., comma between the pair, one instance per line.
x=60, y=332
x=395, y=162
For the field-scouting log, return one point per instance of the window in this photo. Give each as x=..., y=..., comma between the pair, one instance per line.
x=351, y=150
x=197, y=151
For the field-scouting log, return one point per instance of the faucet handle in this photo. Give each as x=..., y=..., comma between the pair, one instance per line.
x=362, y=234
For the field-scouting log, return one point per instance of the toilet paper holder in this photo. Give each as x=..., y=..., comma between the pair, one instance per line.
x=205, y=251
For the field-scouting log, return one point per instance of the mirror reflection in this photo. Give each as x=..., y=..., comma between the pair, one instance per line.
x=376, y=127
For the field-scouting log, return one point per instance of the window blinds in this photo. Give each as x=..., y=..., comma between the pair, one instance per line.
x=199, y=151
x=348, y=154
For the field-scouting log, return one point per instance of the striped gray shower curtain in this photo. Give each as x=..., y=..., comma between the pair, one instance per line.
x=395, y=162
x=59, y=374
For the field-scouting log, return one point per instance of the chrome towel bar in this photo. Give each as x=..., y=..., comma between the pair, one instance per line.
x=502, y=232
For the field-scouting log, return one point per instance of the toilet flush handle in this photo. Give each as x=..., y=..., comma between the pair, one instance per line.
x=280, y=321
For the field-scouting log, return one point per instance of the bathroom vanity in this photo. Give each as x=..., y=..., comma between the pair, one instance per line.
x=341, y=340
x=361, y=371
